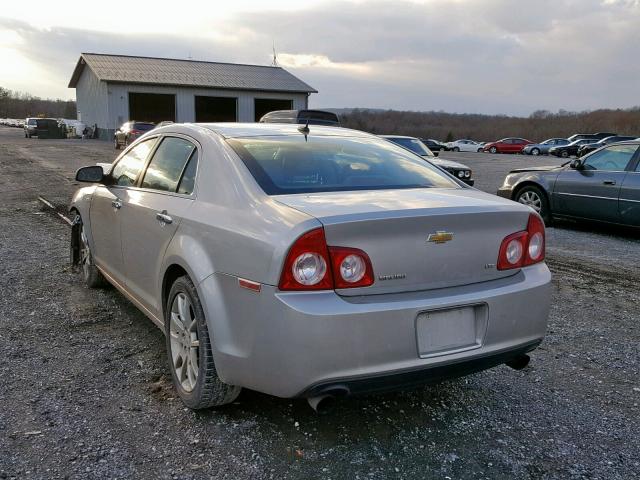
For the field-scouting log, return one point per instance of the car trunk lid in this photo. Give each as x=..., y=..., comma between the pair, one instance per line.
x=417, y=239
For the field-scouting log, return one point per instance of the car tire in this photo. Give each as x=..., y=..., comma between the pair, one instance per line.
x=534, y=197
x=91, y=276
x=480, y=150
x=493, y=150
x=535, y=151
x=455, y=149
x=564, y=154
x=26, y=135
x=188, y=341
x=116, y=144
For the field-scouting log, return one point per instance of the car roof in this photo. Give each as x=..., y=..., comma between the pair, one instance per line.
x=235, y=130
x=399, y=136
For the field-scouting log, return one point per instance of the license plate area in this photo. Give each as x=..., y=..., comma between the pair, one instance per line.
x=451, y=330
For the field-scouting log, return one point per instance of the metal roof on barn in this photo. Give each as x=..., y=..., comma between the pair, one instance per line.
x=189, y=73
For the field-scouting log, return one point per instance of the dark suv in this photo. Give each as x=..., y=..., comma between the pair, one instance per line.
x=313, y=117
x=130, y=131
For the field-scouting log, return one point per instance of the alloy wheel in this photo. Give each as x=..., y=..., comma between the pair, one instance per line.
x=531, y=199
x=184, y=342
x=85, y=254
x=535, y=151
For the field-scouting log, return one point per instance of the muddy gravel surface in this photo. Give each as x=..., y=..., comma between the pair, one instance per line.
x=85, y=389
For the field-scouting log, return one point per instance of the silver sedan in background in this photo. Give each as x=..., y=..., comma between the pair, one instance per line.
x=305, y=261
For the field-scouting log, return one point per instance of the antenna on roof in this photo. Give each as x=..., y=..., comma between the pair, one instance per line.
x=275, y=57
x=304, y=130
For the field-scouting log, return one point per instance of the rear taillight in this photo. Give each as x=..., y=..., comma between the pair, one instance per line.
x=135, y=132
x=523, y=248
x=311, y=265
x=307, y=264
x=351, y=267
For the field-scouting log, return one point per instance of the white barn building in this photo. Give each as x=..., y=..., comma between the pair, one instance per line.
x=113, y=89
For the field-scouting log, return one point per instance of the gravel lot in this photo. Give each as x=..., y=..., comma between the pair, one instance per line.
x=86, y=390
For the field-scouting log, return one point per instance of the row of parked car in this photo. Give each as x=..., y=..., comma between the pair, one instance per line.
x=12, y=122
x=576, y=145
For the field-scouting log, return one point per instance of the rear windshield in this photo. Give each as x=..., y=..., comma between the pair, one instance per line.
x=317, y=115
x=293, y=164
x=413, y=144
x=143, y=126
x=32, y=121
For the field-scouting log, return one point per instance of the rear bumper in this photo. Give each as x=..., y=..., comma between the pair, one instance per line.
x=297, y=343
x=423, y=376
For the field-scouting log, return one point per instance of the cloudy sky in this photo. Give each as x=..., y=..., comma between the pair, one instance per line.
x=481, y=56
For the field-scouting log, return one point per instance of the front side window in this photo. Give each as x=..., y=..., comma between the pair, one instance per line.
x=612, y=159
x=128, y=167
x=295, y=164
x=168, y=162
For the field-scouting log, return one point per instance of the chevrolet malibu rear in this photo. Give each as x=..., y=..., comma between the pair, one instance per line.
x=318, y=261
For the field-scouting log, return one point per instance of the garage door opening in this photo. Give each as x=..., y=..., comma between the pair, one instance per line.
x=152, y=107
x=266, y=105
x=216, y=109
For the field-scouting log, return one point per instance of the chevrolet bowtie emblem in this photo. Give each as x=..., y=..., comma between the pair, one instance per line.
x=440, y=237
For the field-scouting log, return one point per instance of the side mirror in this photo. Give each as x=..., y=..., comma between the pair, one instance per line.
x=576, y=164
x=92, y=174
x=436, y=153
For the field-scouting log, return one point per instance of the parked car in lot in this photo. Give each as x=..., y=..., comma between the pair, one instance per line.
x=542, y=148
x=464, y=145
x=434, y=145
x=333, y=252
x=507, y=145
x=602, y=186
x=458, y=170
x=592, y=136
x=30, y=127
x=569, y=150
x=130, y=131
x=590, y=147
x=312, y=117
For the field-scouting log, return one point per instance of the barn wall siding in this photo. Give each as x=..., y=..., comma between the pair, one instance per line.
x=107, y=104
x=91, y=99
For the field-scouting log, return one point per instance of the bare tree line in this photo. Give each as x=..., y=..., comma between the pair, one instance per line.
x=538, y=126
x=21, y=105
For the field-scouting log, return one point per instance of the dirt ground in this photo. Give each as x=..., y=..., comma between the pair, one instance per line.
x=85, y=389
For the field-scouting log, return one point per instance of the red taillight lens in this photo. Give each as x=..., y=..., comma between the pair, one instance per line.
x=311, y=265
x=512, y=251
x=307, y=264
x=536, y=242
x=523, y=248
x=351, y=267
x=135, y=132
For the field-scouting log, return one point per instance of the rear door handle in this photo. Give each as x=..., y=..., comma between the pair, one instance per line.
x=117, y=204
x=163, y=218
x=609, y=182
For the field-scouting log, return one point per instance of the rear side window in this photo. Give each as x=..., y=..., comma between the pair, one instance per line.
x=168, y=163
x=128, y=167
x=295, y=164
x=612, y=159
x=188, y=180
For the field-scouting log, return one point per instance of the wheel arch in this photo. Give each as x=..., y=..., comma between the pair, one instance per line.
x=529, y=183
x=171, y=274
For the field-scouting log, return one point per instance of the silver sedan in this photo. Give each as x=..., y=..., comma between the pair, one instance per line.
x=310, y=261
